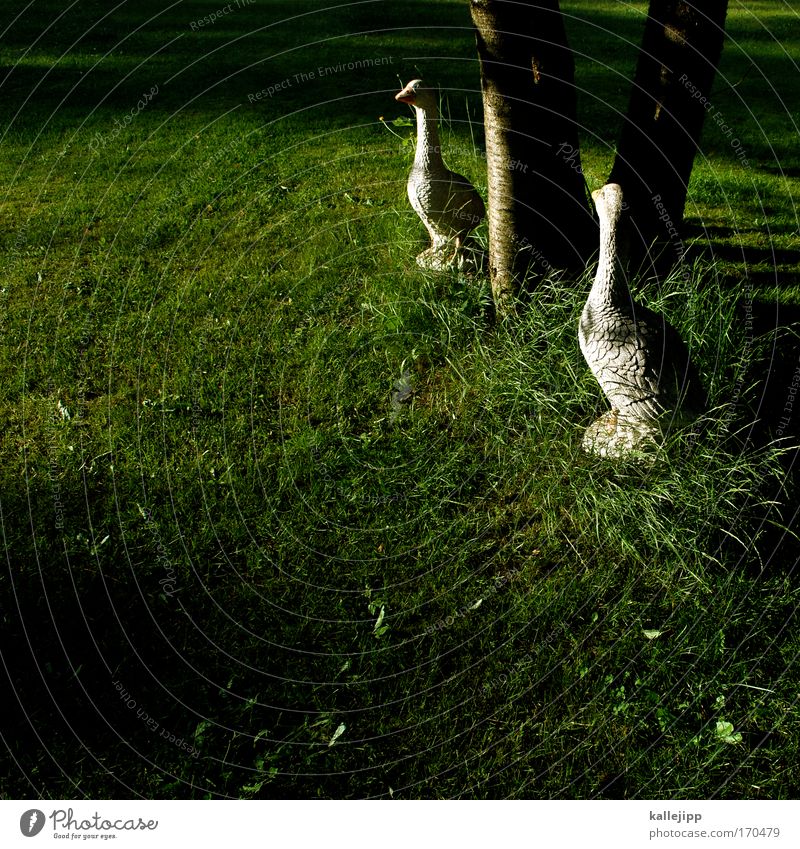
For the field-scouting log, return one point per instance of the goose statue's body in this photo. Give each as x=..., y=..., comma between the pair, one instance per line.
x=638, y=358
x=448, y=204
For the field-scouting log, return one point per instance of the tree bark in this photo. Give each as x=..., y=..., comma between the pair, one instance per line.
x=539, y=216
x=677, y=63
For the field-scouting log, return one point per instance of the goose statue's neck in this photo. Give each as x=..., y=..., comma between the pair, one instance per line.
x=609, y=285
x=429, y=153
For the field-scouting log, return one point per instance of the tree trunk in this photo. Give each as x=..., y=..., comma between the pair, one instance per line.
x=677, y=63
x=539, y=217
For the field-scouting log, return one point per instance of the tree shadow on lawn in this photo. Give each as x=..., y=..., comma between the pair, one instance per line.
x=290, y=57
x=748, y=256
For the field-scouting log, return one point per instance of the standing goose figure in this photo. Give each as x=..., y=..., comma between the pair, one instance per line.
x=639, y=360
x=447, y=203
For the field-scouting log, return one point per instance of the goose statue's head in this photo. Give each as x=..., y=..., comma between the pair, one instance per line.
x=609, y=204
x=417, y=94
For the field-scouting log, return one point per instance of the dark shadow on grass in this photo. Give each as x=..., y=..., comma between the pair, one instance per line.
x=746, y=255
x=778, y=170
x=287, y=57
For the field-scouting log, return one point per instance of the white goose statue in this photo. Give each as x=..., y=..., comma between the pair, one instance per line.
x=448, y=204
x=638, y=358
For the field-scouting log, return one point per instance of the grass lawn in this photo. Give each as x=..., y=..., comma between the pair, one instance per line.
x=237, y=565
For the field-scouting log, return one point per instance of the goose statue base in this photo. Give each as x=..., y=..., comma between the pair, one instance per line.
x=441, y=258
x=614, y=437
x=449, y=256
